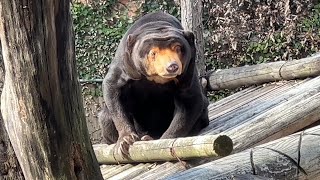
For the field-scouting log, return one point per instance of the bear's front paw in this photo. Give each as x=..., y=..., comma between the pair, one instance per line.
x=146, y=138
x=124, y=143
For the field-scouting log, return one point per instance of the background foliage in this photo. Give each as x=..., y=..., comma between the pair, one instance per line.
x=236, y=32
x=250, y=32
x=98, y=30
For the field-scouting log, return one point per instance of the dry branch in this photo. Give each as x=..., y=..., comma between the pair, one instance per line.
x=293, y=157
x=167, y=149
x=263, y=73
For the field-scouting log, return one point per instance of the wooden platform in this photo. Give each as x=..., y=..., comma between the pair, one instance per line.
x=251, y=117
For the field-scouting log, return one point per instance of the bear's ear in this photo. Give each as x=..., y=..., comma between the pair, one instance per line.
x=130, y=42
x=129, y=66
x=189, y=37
x=191, y=40
x=190, y=67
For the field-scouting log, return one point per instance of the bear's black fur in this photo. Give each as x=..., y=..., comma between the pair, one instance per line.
x=152, y=88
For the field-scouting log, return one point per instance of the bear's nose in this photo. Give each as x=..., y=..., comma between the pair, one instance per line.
x=173, y=67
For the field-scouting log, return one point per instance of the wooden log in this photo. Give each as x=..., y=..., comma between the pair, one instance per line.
x=293, y=157
x=163, y=170
x=109, y=172
x=133, y=172
x=167, y=149
x=263, y=73
x=41, y=101
x=294, y=110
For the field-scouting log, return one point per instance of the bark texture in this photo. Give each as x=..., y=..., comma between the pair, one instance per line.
x=191, y=19
x=9, y=165
x=41, y=102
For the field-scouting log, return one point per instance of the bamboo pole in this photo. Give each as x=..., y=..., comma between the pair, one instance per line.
x=263, y=73
x=167, y=149
x=293, y=157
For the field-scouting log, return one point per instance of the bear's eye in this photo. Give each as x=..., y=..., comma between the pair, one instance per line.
x=178, y=49
x=152, y=54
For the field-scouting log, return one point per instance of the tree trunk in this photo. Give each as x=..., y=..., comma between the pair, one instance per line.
x=191, y=19
x=9, y=165
x=41, y=102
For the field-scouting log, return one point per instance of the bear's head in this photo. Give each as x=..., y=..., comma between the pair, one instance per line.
x=160, y=54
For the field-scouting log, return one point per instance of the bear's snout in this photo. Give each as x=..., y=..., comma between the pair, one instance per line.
x=172, y=67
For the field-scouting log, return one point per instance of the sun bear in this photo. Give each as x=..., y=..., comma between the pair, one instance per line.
x=152, y=89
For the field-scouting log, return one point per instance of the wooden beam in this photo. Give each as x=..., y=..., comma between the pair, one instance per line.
x=293, y=157
x=272, y=119
x=263, y=73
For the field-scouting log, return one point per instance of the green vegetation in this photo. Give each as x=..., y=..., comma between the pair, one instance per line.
x=97, y=34
x=166, y=6
x=265, y=51
x=303, y=41
x=236, y=38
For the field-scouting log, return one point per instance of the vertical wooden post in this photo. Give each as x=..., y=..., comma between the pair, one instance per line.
x=191, y=19
x=41, y=101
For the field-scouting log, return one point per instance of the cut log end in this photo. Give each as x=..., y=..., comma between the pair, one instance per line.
x=223, y=145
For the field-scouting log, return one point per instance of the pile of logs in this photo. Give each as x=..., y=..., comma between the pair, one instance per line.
x=296, y=156
x=262, y=146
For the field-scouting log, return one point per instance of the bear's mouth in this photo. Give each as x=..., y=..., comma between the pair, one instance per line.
x=168, y=76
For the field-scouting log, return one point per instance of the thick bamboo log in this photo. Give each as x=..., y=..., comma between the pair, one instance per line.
x=263, y=73
x=167, y=149
x=293, y=157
